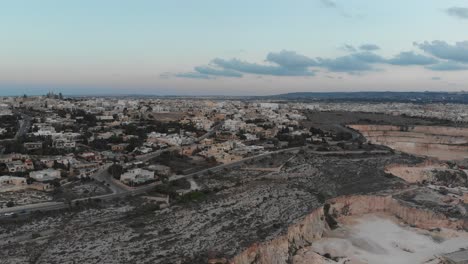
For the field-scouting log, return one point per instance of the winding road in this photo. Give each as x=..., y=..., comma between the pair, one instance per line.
x=120, y=193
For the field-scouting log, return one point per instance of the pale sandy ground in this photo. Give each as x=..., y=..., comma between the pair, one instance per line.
x=381, y=239
x=416, y=173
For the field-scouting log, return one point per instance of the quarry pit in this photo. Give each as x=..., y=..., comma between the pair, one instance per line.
x=315, y=208
x=440, y=142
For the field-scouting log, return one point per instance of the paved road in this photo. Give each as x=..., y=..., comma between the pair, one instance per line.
x=233, y=164
x=103, y=176
x=139, y=190
x=51, y=206
x=355, y=135
x=210, y=132
x=295, y=149
x=25, y=124
x=156, y=153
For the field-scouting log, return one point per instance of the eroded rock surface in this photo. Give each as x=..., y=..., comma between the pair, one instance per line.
x=241, y=211
x=422, y=172
x=444, y=143
x=295, y=245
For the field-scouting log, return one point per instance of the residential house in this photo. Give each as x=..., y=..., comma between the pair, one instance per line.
x=105, y=118
x=119, y=147
x=45, y=175
x=90, y=156
x=137, y=176
x=160, y=170
x=12, y=180
x=6, y=158
x=189, y=150
x=45, y=131
x=32, y=145
x=16, y=166
x=63, y=143
x=144, y=150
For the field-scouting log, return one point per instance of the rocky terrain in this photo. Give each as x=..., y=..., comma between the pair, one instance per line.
x=280, y=209
x=430, y=171
x=234, y=211
x=416, y=173
x=295, y=245
x=381, y=238
x=444, y=143
x=24, y=197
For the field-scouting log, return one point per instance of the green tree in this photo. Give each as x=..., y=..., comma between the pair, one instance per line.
x=115, y=170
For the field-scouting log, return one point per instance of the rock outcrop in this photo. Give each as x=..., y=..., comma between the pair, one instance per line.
x=287, y=247
x=284, y=247
x=444, y=143
x=416, y=173
x=421, y=218
x=238, y=209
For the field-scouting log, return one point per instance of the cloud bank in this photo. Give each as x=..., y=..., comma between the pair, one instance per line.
x=458, y=12
x=443, y=50
x=406, y=58
x=369, y=47
x=436, y=55
x=328, y=3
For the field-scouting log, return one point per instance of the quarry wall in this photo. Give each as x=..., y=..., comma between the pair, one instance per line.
x=282, y=249
x=443, y=143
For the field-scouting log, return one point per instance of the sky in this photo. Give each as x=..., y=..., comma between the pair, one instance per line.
x=217, y=47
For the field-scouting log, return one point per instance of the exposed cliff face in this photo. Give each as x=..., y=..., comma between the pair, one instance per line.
x=425, y=219
x=306, y=256
x=240, y=208
x=287, y=247
x=444, y=143
x=284, y=247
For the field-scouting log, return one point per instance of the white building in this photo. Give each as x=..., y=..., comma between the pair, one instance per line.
x=273, y=106
x=45, y=131
x=105, y=118
x=137, y=176
x=45, y=175
x=160, y=170
x=13, y=180
x=250, y=137
x=63, y=143
x=16, y=166
x=233, y=125
x=5, y=110
x=170, y=139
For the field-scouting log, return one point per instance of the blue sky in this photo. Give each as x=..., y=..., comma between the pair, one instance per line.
x=232, y=47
